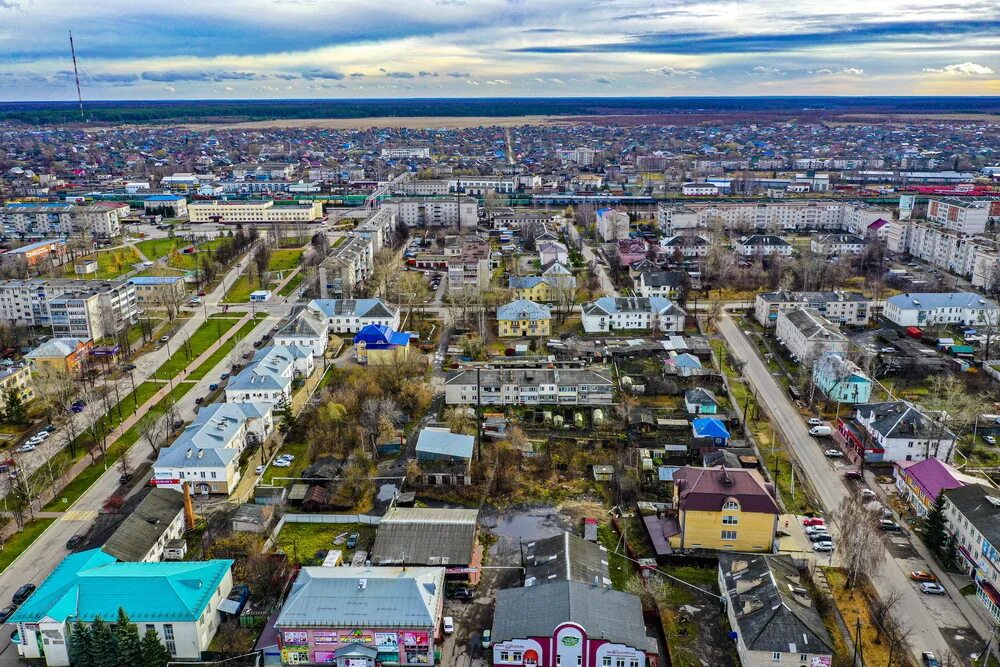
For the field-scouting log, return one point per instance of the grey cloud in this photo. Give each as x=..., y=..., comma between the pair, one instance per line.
x=170, y=75
x=322, y=74
x=357, y=75
x=458, y=75
x=286, y=77
x=238, y=76
x=424, y=73
x=399, y=75
x=604, y=80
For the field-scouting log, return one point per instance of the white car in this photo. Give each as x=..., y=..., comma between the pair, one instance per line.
x=281, y=463
x=823, y=546
x=813, y=530
x=990, y=440
x=26, y=447
x=260, y=469
x=449, y=625
x=833, y=453
x=815, y=421
x=286, y=457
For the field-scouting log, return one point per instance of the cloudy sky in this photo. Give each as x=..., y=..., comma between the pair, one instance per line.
x=186, y=49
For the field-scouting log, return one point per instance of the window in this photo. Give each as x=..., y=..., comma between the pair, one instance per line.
x=731, y=505
x=730, y=520
x=579, y=660
x=606, y=662
x=803, y=657
x=504, y=656
x=729, y=534
x=168, y=638
x=776, y=656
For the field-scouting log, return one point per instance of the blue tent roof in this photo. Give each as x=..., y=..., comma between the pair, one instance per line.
x=379, y=336
x=707, y=427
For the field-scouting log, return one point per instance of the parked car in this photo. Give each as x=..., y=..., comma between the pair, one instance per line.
x=164, y=339
x=213, y=387
x=8, y=611
x=813, y=521
x=199, y=400
x=866, y=494
x=259, y=470
x=930, y=660
x=990, y=440
x=932, y=588
x=888, y=525
x=352, y=540
x=287, y=457
x=282, y=463
x=80, y=402
x=224, y=376
x=76, y=409
x=819, y=537
x=462, y=593
x=818, y=528
x=487, y=638
x=833, y=453
x=202, y=294
x=26, y=447
x=258, y=343
x=825, y=546
x=449, y=625
x=128, y=367
x=74, y=542
x=920, y=575
x=815, y=421
x=852, y=474
x=23, y=593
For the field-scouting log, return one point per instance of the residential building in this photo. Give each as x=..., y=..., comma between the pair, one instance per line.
x=771, y=612
x=565, y=557
x=973, y=519
x=584, y=156
x=379, y=226
x=700, y=401
x=253, y=211
x=49, y=252
x=528, y=386
x=894, y=431
x=458, y=212
x=930, y=309
x=406, y=152
x=840, y=379
x=844, y=308
x=362, y=616
x=158, y=291
x=612, y=225
x=699, y=189
x=85, y=309
x=269, y=375
x=631, y=251
x=763, y=245
x=179, y=601
x=206, y=455
x=352, y=315
x=15, y=380
x=532, y=288
x=144, y=534
x=807, y=335
x=347, y=267
x=960, y=215
x=709, y=431
x=663, y=284
x=422, y=187
x=522, y=318
x=723, y=509
x=633, y=313
x=468, y=260
x=480, y=185
x=263, y=171
x=63, y=355
x=688, y=246
x=436, y=537
x=838, y=245
x=305, y=328
x=378, y=345
x=550, y=252
x=445, y=458
x=921, y=482
x=42, y=221
x=774, y=216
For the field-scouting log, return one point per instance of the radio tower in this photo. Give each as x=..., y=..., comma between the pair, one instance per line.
x=76, y=73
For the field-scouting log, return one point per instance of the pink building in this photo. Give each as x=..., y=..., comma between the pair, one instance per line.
x=631, y=251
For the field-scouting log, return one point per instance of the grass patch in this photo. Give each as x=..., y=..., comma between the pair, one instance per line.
x=200, y=340
x=18, y=542
x=216, y=358
x=240, y=290
x=110, y=263
x=156, y=248
x=621, y=570
x=300, y=450
x=283, y=260
x=292, y=284
x=853, y=605
x=303, y=542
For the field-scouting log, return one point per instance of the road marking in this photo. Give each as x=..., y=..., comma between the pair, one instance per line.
x=80, y=515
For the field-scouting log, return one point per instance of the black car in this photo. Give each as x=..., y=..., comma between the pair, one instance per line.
x=7, y=612
x=23, y=593
x=128, y=367
x=74, y=542
x=199, y=400
x=461, y=594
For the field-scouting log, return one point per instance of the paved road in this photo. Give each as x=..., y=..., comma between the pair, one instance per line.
x=926, y=635
x=607, y=287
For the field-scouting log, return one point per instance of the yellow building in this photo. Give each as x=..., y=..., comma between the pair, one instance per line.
x=60, y=354
x=723, y=509
x=16, y=379
x=523, y=318
x=531, y=288
x=379, y=345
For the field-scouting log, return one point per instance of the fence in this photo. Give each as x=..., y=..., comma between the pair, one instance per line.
x=318, y=518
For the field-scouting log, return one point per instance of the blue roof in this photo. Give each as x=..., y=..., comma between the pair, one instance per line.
x=524, y=282
x=380, y=336
x=934, y=300
x=155, y=280
x=444, y=442
x=163, y=198
x=92, y=583
x=707, y=427
x=522, y=309
x=35, y=245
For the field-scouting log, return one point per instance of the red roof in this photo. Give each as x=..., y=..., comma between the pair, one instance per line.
x=878, y=224
x=707, y=489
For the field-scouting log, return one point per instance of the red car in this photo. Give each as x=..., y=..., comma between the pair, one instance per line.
x=813, y=521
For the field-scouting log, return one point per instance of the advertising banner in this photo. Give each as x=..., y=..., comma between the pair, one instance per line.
x=386, y=642
x=295, y=638
x=324, y=637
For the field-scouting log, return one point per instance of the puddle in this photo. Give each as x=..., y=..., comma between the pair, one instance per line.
x=386, y=492
x=531, y=524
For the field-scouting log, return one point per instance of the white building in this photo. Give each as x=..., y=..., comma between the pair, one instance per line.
x=807, y=334
x=264, y=170
x=85, y=309
x=254, y=211
x=352, y=315
x=844, y=308
x=305, y=328
x=480, y=185
x=52, y=220
x=456, y=212
x=584, y=156
x=964, y=217
x=348, y=267
x=818, y=215
x=896, y=431
x=929, y=309
x=763, y=245
x=690, y=246
x=528, y=386
x=406, y=152
x=268, y=377
x=143, y=536
x=612, y=225
x=633, y=313
x=838, y=244
x=552, y=251
x=972, y=513
x=699, y=189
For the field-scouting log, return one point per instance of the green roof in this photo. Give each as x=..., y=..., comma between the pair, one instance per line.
x=92, y=583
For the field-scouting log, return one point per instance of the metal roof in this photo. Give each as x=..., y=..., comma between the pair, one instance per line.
x=425, y=536
x=143, y=527
x=442, y=441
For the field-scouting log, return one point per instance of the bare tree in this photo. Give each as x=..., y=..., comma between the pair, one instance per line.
x=860, y=546
x=151, y=429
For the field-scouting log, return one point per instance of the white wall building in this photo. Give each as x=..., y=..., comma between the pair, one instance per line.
x=435, y=211
x=612, y=225
x=251, y=211
x=763, y=245
x=807, y=335
x=305, y=328
x=51, y=220
x=773, y=216
x=633, y=313
x=964, y=217
x=850, y=308
x=268, y=377
x=351, y=315
x=928, y=309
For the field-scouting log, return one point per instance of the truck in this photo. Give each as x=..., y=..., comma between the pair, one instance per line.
x=820, y=431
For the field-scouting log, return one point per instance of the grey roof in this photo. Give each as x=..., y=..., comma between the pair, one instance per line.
x=980, y=504
x=364, y=597
x=536, y=611
x=773, y=611
x=422, y=536
x=898, y=419
x=662, y=278
x=842, y=238
x=528, y=377
x=354, y=307
x=565, y=557
x=700, y=396
x=250, y=513
x=813, y=325
x=935, y=300
x=764, y=240
x=303, y=322
x=143, y=527
x=608, y=305
x=442, y=441
x=809, y=298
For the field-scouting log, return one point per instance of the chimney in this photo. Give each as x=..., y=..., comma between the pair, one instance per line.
x=188, y=507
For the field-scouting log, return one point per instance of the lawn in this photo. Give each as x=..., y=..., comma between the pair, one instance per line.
x=304, y=541
x=16, y=545
x=283, y=260
x=190, y=261
x=853, y=605
x=621, y=570
x=201, y=340
x=216, y=358
x=156, y=248
x=110, y=263
x=292, y=284
x=300, y=450
x=240, y=290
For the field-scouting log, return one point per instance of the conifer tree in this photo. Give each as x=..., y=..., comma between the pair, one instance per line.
x=103, y=652
x=154, y=653
x=79, y=645
x=934, y=527
x=128, y=641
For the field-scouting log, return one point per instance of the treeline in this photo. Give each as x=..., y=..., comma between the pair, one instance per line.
x=48, y=113
x=229, y=249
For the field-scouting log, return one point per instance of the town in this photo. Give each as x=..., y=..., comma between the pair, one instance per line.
x=615, y=395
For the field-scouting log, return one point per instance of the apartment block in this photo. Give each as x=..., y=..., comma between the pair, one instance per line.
x=49, y=220
x=246, y=211
x=85, y=309
x=807, y=335
x=964, y=217
x=459, y=212
x=850, y=308
x=528, y=386
x=799, y=214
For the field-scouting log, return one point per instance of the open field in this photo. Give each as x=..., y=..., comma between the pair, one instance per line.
x=428, y=122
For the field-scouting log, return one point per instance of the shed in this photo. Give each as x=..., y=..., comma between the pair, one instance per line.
x=298, y=493
x=270, y=495
x=603, y=473
x=251, y=518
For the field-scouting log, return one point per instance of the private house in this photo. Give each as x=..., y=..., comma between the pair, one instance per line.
x=379, y=345
x=143, y=536
x=431, y=536
x=838, y=244
x=894, y=431
x=269, y=375
x=710, y=429
x=445, y=458
x=700, y=401
x=60, y=354
x=631, y=251
x=558, y=274
x=973, y=520
x=528, y=386
x=844, y=308
x=15, y=380
x=611, y=225
x=841, y=380
x=179, y=601
x=522, y=318
x=774, y=618
x=807, y=335
x=763, y=245
x=632, y=313
x=362, y=616
x=929, y=309
x=207, y=454
x=664, y=284
x=305, y=328
x=351, y=315
x=552, y=251
x=159, y=291
x=684, y=364
x=555, y=283
x=686, y=246
x=722, y=509
x=920, y=482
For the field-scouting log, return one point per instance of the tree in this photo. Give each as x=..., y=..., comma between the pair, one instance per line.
x=934, y=526
x=150, y=428
x=285, y=414
x=79, y=645
x=413, y=289
x=860, y=545
x=955, y=410
x=413, y=472
x=54, y=389
x=154, y=653
x=261, y=257
x=14, y=411
x=386, y=273
x=103, y=650
x=128, y=641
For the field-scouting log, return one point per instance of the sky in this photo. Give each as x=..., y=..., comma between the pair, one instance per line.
x=243, y=49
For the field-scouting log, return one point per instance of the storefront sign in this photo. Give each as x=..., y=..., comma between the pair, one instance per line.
x=386, y=642
x=461, y=570
x=820, y=661
x=415, y=638
x=324, y=637
x=295, y=655
x=357, y=637
x=295, y=638
x=323, y=657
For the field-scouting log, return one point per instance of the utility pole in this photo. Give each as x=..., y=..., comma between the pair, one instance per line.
x=479, y=416
x=76, y=74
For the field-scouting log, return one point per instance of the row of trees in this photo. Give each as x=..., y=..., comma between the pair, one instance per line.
x=104, y=645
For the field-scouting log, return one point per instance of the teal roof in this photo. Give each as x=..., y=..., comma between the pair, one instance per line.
x=92, y=583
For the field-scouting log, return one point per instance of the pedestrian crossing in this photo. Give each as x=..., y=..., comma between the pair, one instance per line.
x=80, y=515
